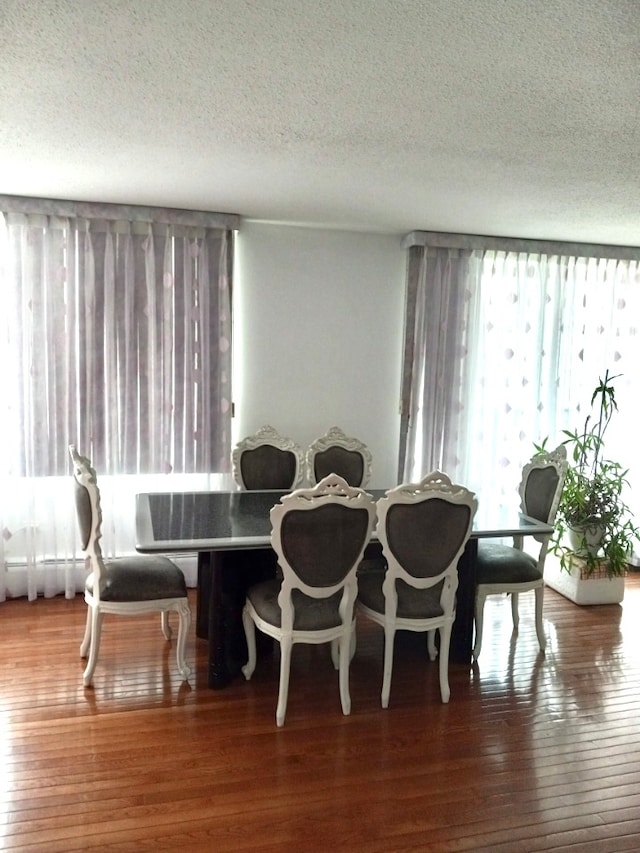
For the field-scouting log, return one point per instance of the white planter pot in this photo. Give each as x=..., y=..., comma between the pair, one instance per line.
x=586, y=539
x=582, y=590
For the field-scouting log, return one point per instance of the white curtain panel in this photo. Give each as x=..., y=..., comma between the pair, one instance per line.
x=441, y=284
x=115, y=335
x=538, y=330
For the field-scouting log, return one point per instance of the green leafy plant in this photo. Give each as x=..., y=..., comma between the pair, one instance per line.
x=592, y=509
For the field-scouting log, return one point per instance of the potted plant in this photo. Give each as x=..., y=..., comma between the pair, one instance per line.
x=593, y=516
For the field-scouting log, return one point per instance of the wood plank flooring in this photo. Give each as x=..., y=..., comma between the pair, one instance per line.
x=533, y=753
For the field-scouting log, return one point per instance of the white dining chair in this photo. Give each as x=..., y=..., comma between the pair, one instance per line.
x=503, y=569
x=123, y=586
x=319, y=535
x=267, y=460
x=337, y=453
x=423, y=528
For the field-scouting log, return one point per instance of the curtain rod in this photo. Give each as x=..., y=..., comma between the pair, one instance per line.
x=440, y=239
x=129, y=212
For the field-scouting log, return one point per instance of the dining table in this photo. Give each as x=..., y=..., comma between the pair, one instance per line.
x=230, y=531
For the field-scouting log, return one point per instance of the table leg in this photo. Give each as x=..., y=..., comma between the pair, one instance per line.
x=210, y=567
x=223, y=579
x=462, y=631
x=203, y=594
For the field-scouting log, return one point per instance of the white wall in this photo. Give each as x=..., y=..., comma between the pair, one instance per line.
x=318, y=336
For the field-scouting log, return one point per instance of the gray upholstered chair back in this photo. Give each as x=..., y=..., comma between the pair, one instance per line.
x=88, y=509
x=348, y=464
x=424, y=537
x=322, y=545
x=84, y=513
x=319, y=535
x=424, y=528
x=337, y=453
x=540, y=491
x=267, y=460
x=542, y=483
x=268, y=467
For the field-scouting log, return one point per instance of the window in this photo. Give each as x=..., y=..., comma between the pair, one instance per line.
x=519, y=335
x=115, y=335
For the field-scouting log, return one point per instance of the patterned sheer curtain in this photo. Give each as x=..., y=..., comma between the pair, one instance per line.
x=541, y=323
x=115, y=335
x=439, y=313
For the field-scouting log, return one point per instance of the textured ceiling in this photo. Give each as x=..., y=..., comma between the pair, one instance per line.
x=502, y=117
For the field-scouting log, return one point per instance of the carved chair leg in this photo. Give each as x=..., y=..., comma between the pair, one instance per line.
x=86, y=640
x=515, y=614
x=96, y=629
x=445, y=640
x=164, y=624
x=184, y=615
x=283, y=690
x=250, y=634
x=431, y=645
x=335, y=653
x=335, y=647
x=389, y=639
x=479, y=618
x=542, y=640
x=352, y=641
x=345, y=697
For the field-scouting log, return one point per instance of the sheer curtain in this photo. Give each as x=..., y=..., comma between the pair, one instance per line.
x=541, y=323
x=439, y=310
x=115, y=334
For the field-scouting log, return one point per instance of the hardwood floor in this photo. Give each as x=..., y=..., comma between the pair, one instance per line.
x=531, y=754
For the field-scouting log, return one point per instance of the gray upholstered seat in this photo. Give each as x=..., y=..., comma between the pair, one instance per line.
x=502, y=564
x=423, y=528
x=125, y=586
x=134, y=578
x=311, y=614
x=319, y=536
x=410, y=605
x=267, y=460
x=336, y=453
x=506, y=569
